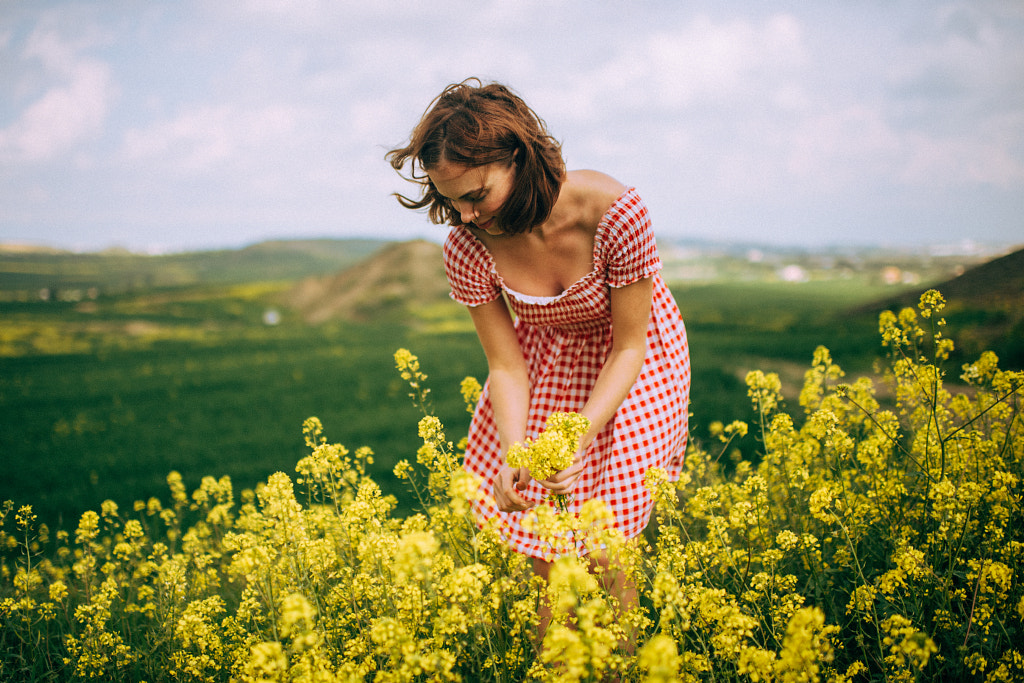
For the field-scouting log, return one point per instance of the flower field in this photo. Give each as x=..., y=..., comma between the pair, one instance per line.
x=878, y=535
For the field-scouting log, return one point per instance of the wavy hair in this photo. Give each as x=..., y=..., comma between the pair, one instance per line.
x=474, y=125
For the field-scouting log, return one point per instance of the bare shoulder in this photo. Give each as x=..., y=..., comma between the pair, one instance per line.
x=596, y=185
x=593, y=192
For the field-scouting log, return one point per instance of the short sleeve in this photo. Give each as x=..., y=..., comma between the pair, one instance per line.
x=629, y=250
x=468, y=267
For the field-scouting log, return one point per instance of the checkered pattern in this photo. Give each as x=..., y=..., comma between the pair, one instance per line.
x=565, y=342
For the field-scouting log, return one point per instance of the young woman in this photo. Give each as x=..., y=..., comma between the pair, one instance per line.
x=561, y=276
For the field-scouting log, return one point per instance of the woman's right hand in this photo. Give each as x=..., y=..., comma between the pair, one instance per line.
x=507, y=486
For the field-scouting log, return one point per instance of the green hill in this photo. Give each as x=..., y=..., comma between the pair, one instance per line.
x=985, y=305
x=25, y=273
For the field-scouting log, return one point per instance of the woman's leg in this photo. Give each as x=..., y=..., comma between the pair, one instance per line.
x=542, y=568
x=613, y=579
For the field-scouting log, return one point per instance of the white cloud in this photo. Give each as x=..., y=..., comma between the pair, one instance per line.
x=72, y=108
x=703, y=62
x=710, y=62
x=952, y=162
x=842, y=145
x=211, y=137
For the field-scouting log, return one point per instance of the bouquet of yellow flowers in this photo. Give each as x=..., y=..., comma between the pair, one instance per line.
x=553, y=449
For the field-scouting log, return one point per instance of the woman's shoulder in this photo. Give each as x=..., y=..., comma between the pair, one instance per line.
x=462, y=244
x=593, y=194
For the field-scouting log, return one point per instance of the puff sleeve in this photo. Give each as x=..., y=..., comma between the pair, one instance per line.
x=630, y=252
x=469, y=268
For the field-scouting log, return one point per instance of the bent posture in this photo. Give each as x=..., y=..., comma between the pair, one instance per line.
x=560, y=272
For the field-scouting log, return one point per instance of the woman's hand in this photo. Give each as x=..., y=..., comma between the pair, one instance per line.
x=563, y=483
x=507, y=485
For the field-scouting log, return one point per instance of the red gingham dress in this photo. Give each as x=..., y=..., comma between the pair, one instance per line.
x=565, y=341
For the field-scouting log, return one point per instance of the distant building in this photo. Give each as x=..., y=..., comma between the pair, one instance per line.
x=892, y=275
x=794, y=273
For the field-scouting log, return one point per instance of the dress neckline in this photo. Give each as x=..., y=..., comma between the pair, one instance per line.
x=599, y=236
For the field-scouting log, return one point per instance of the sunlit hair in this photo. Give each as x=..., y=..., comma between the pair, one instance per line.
x=474, y=125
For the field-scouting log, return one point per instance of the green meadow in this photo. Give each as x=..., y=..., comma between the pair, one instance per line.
x=100, y=398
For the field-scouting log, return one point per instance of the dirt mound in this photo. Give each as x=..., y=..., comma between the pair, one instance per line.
x=396, y=278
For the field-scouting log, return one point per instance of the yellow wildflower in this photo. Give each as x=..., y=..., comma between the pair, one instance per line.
x=659, y=657
x=931, y=302
x=267, y=662
x=805, y=646
x=471, y=390
x=553, y=450
x=757, y=663
x=764, y=390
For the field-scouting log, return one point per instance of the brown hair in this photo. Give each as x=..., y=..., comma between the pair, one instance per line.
x=474, y=125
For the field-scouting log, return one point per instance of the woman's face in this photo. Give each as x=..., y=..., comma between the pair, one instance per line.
x=476, y=192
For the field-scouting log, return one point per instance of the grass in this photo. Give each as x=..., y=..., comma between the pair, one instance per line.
x=81, y=428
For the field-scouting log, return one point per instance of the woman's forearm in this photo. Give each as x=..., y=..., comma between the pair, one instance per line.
x=510, y=400
x=506, y=368
x=613, y=385
x=631, y=312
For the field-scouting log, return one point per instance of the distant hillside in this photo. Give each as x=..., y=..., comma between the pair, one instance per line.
x=984, y=308
x=397, y=278
x=22, y=248
x=28, y=271
x=999, y=281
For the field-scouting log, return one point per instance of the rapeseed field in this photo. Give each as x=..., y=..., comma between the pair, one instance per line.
x=877, y=536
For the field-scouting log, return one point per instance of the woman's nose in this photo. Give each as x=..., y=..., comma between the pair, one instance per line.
x=467, y=211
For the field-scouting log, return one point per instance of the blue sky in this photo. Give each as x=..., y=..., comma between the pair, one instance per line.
x=186, y=125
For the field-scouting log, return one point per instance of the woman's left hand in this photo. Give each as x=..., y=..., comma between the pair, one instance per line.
x=562, y=483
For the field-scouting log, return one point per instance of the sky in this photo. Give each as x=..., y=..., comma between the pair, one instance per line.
x=163, y=126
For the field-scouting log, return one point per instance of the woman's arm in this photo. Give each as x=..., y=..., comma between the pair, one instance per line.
x=631, y=314
x=509, y=393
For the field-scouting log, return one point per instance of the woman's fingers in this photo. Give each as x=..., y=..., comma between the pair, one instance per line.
x=507, y=485
x=561, y=483
x=522, y=478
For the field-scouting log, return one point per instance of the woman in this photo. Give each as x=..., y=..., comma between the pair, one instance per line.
x=561, y=276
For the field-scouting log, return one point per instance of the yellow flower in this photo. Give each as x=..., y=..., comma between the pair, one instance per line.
x=409, y=368
x=765, y=391
x=471, y=391
x=907, y=645
x=406, y=362
x=402, y=469
x=312, y=430
x=931, y=302
x=787, y=540
x=414, y=555
x=297, y=614
x=820, y=504
x=267, y=662
x=24, y=517
x=430, y=429
x=659, y=657
x=553, y=450
x=757, y=663
x=58, y=591
x=88, y=528
x=805, y=646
